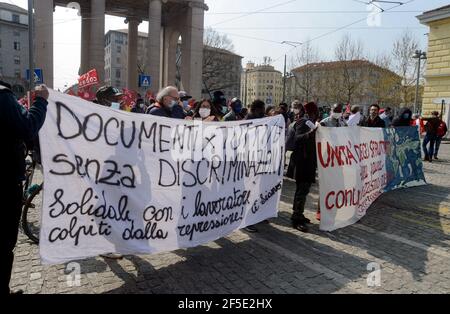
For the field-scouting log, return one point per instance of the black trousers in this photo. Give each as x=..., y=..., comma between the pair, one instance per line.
x=301, y=193
x=11, y=204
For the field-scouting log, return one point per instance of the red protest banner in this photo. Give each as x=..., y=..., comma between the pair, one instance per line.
x=88, y=79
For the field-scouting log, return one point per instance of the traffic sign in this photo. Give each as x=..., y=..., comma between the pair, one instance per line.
x=145, y=80
x=38, y=76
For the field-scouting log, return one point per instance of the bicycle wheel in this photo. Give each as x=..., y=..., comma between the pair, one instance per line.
x=31, y=214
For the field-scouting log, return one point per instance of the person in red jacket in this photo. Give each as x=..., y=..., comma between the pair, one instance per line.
x=442, y=131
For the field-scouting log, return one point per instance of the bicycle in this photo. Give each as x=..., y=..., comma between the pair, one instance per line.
x=32, y=196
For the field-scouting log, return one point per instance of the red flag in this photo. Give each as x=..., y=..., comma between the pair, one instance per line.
x=88, y=79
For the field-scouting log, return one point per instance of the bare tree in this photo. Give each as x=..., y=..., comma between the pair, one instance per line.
x=216, y=72
x=347, y=52
x=384, y=84
x=405, y=65
x=304, y=84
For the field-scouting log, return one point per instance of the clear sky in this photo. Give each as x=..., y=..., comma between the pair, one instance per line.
x=257, y=28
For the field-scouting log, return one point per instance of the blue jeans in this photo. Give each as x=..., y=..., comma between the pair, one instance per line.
x=437, y=145
x=429, y=139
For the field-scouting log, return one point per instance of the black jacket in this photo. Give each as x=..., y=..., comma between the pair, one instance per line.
x=375, y=123
x=305, y=153
x=403, y=119
x=17, y=125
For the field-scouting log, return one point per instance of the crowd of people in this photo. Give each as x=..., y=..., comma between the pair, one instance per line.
x=19, y=125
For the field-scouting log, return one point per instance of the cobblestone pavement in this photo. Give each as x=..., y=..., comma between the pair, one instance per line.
x=406, y=232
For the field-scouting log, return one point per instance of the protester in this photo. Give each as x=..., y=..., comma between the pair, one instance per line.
x=257, y=111
x=355, y=117
x=205, y=111
x=17, y=125
x=220, y=103
x=109, y=96
x=184, y=98
x=242, y=114
x=441, y=132
x=386, y=116
x=168, y=104
x=140, y=106
x=431, y=128
x=418, y=121
x=404, y=118
x=271, y=111
x=235, y=110
x=335, y=120
x=374, y=120
x=306, y=164
x=283, y=109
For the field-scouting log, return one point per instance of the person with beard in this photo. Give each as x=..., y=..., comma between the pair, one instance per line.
x=374, y=120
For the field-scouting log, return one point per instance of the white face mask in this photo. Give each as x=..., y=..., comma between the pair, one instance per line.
x=336, y=115
x=115, y=105
x=173, y=103
x=296, y=111
x=204, y=112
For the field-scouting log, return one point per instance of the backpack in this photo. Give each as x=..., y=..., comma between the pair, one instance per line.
x=442, y=129
x=290, y=141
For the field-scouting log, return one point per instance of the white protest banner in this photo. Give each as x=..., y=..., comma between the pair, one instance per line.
x=356, y=165
x=122, y=182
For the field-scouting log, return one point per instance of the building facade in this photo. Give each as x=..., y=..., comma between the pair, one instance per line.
x=14, y=59
x=221, y=68
x=437, y=76
x=358, y=82
x=164, y=31
x=221, y=72
x=261, y=82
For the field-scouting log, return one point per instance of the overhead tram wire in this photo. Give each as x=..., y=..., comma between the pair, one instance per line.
x=340, y=28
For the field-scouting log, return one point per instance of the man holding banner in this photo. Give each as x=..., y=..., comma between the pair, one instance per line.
x=16, y=126
x=305, y=152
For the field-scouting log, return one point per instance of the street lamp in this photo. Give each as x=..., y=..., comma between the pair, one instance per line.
x=419, y=55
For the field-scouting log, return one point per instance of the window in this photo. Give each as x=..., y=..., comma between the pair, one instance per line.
x=16, y=60
x=16, y=18
x=17, y=45
x=17, y=73
x=118, y=60
x=119, y=49
x=117, y=73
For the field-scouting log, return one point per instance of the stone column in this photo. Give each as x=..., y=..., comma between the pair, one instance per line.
x=171, y=36
x=85, y=35
x=133, y=37
x=154, y=44
x=192, y=48
x=97, y=39
x=43, y=21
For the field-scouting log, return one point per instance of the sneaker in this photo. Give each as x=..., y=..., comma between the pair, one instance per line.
x=305, y=220
x=302, y=227
x=251, y=229
x=16, y=292
x=435, y=157
x=112, y=256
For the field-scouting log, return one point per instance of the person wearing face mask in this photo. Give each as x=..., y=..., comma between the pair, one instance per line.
x=404, y=118
x=109, y=96
x=205, y=111
x=386, y=116
x=235, y=110
x=374, y=120
x=168, y=104
x=306, y=164
x=184, y=98
x=335, y=119
x=139, y=107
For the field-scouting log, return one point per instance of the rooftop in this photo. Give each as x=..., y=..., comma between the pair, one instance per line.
x=11, y=7
x=435, y=15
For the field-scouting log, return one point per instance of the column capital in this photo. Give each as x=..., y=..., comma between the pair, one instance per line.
x=198, y=5
x=133, y=18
